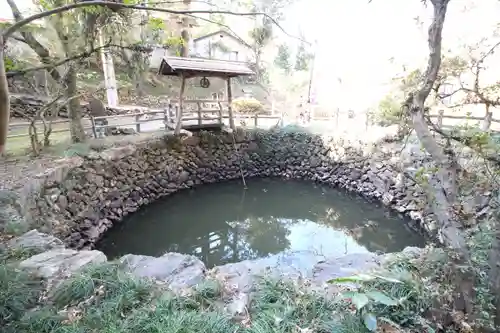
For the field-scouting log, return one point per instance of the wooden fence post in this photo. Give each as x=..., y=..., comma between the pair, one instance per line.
x=440, y=119
x=166, y=116
x=92, y=121
x=367, y=120
x=199, y=112
x=220, y=113
x=137, y=125
x=487, y=121
x=255, y=120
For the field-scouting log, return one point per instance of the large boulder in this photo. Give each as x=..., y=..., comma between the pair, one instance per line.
x=61, y=262
x=348, y=265
x=176, y=270
x=243, y=275
x=35, y=241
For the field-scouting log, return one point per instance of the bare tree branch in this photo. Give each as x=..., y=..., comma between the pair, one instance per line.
x=22, y=22
x=225, y=26
x=20, y=39
x=83, y=55
x=466, y=141
x=42, y=52
x=475, y=95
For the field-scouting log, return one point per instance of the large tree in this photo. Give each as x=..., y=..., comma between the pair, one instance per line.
x=283, y=58
x=302, y=58
x=64, y=14
x=442, y=185
x=443, y=182
x=262, y=33
x=66, y=27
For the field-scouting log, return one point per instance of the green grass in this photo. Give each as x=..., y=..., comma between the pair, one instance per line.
x=10, y=255
x=21, y=146
x=19, y=291
x=106, y=299
x=283, y=307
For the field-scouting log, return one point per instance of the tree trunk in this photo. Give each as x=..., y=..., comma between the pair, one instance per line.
x=42, y=52
x=229, y=104
x=445, y=180
x=140, y=74
x=257, y=66
x=185, y=30
x=487, y=118
x=139, y=86
x=74, y=107
x=4, y=101
x=33, y=135
x=185, y=42
x=442, y=184
x=71, y=90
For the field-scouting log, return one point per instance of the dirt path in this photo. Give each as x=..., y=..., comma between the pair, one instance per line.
x=15, y=172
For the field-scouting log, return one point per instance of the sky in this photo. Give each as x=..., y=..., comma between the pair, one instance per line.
x=356, y=40
x=5, y=11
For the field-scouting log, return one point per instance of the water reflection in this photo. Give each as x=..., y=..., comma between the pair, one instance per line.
x=222, y=223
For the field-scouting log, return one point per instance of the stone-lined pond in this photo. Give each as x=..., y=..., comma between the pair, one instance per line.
x=223, y=223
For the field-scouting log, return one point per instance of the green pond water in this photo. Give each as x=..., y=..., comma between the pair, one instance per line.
x=223, y=223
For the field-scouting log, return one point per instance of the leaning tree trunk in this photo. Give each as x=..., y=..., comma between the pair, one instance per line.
x=442, y=184
x=445, y=179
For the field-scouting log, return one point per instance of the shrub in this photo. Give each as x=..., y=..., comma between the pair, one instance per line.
x=395, y=297
x=105, y=298
x=388, y=112
x=248, y=106
x=124, y=303
x=281, y=306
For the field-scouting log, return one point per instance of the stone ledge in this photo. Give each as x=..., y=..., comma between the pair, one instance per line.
x=89, y=196
x=59, y=262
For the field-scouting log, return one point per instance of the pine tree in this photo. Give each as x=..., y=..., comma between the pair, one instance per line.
x=302, y=59
x=282, y=59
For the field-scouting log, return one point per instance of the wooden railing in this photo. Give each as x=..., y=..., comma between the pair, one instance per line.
x=168, y=115
x=202, y=111
x=26, y=125
x=486, y=121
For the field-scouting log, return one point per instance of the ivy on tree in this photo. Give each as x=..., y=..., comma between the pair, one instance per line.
x=282, y=59
x=303, y=58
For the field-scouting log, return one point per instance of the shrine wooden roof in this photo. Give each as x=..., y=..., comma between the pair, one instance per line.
x=175, y=66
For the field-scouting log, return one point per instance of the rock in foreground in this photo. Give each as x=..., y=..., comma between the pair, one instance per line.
x=37, y=241
x=175, y=269
x=61, y=261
